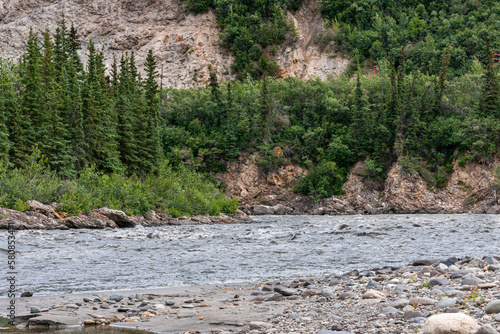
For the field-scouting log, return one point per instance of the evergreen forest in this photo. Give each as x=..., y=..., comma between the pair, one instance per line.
x=87, y=136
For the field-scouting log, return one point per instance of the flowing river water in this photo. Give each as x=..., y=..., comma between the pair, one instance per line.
x=274, y=247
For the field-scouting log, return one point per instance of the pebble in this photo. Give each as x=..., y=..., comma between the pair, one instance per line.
x=105, y=306
x=115, y=297
x=34, y=309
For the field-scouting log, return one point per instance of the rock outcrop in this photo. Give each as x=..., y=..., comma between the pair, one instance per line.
x=184, y=44
x=470, y=189
x=105, y=218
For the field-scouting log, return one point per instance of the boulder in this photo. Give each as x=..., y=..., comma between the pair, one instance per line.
x=450, y=323
x=39, y=207
x=119, y=217
x=263, y=210
x=242, y=217
x=93, y=221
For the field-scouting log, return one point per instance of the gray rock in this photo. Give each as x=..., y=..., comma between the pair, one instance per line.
x=471, y=279
x=187, y=306
x=476, y=263
x=460, y=273
x=491, y=260
x=422, y=301
x=328, y=293
x=34, y=309
x=439, y=281
x=487, y=329
x=87, y=299
x=333, y=332
x=139, y=297
x=119, y=217
x=446, y=302
x=146, y=307
x=424, y=262
x=412, y=314
x=493, y=267
x=116, y=298
x=186, y=314
x=372, y=284
x=263, y=210
x=348, y=295
x=284, y=290
x=169, y=302
x=280, y=209
x=403, y=288
x=493, y=307
x=92, y=221
x=105, y=306
x=417, y=320
x=123, y=309
x=392, y=312
x=496, y=317
x=447, y=323
x=400, y=303
x=260, y=325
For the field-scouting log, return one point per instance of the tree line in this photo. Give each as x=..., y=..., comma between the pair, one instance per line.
x=79, y=115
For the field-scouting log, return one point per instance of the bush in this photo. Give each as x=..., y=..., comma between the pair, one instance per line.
x=323, y=181
x=176, y=192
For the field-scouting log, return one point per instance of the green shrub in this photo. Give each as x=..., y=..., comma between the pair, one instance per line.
x=323, y=181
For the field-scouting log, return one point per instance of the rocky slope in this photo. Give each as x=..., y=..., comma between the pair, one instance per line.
x=471, y=188
x=185, y=44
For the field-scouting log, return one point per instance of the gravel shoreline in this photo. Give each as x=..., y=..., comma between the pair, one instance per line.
x=380, y=300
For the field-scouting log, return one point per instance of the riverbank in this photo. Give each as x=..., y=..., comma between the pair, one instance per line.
x=46, y=217
x=464, y=293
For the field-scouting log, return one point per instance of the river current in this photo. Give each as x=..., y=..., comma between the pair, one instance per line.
x=274, y=247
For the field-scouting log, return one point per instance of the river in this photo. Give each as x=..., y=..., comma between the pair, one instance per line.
x=275, y=247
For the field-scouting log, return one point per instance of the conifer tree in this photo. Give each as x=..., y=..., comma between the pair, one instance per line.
x=231, y=140
x=152, y=144
x=100, y=130
x=53, y=138
x=439, y=87
x=30, y=117
x=7, y=102
x=488, y=105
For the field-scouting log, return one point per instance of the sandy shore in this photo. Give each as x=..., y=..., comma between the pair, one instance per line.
x=464, y=293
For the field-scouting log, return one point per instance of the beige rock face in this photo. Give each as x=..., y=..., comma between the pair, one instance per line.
x=185, y=44
x=471, y=188
x=304, y=59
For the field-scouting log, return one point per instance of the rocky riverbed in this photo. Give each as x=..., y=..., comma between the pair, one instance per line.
x=429, y=296
x=47, y=217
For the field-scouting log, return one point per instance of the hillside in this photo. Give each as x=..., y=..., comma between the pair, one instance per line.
x=184, y=43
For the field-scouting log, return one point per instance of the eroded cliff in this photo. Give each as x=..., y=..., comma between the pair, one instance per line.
x=470, y=188
x=185, y=44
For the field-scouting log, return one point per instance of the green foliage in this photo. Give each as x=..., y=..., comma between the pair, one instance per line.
x=373, y=30
x=324, y=180
x=176, y=192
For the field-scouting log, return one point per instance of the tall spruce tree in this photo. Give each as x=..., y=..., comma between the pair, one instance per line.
x=30, y=116
x=231, y=140
x=100, y=130
x=152, y=142
x=488, y=105
x=7, y=104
